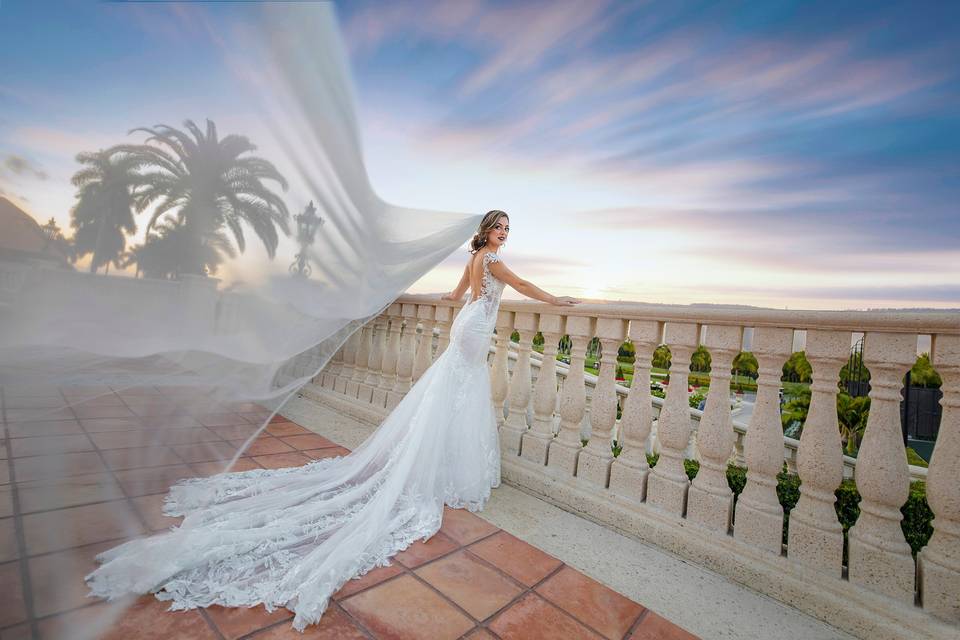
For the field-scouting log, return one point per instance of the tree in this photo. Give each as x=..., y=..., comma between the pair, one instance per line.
x=797, y=368
x=922, y=374
x=794, y=411
x=104, y=211
x=745, y=363
x=208, y=184
x=700, y=360
x=854, y=370
x=169, y=249
x=56, y=238
x=661, y=357
x=852, y=418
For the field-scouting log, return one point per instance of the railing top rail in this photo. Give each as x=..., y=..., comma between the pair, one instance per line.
x=934, y=322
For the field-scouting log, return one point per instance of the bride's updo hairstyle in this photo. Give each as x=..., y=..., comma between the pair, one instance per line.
x=486, y=226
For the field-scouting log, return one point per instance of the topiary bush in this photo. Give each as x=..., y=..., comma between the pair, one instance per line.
x=917, y=516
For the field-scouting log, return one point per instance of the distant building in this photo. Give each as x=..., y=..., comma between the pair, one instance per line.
x=22, y=240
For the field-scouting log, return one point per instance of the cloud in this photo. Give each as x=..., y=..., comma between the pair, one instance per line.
x=507, y=39
x=60, y=142
x=21, y=166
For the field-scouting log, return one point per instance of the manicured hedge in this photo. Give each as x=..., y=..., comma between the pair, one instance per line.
x=917, y=516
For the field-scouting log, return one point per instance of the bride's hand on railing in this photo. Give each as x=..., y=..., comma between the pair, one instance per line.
x=450, y=297
x=564, y=301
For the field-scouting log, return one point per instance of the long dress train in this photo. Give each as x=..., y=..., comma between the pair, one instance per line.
x=292, y=537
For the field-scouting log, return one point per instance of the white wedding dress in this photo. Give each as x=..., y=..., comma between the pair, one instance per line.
x=292, y=537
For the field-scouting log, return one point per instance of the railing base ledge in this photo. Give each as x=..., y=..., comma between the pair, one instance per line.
x=835, y=601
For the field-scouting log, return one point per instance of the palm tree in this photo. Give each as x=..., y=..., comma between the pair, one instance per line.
x=103, y=213
x=55, y=237
x=852, y=416
x=169, y=250
x=207, y=183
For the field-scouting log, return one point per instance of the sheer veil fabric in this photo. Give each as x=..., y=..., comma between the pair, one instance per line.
x=211, y=314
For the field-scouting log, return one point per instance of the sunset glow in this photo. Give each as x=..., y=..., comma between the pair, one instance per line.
x=774, y=155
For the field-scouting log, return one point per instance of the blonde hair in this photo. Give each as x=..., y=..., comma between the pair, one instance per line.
x=486, y=225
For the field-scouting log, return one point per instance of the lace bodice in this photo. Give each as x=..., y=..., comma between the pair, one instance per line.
x=490, y=288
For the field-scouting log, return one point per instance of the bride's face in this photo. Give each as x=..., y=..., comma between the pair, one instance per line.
x=498, y=235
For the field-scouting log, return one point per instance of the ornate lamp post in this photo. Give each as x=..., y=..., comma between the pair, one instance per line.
x=307, y=224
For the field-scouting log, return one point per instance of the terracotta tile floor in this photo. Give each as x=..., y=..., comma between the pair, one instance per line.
x=76, y=480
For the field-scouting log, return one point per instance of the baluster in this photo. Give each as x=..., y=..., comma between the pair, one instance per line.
x=499, y=374
x=759, y=515
x=388, y=361
x=408, y=344
x=349, y=356
x=738, y=459
x=668, y=483
x=444, y=318
x=710, y=500
x=424, y=355
x=536, y=441
x=374, y=357
x=391, y=357
x=359, y=363
x=815, y=537
x=566, y=447
x=328, y=375
x=940, y=559
x=520, y=381
x=628, y=473
x=879, y=557
x=593, y=465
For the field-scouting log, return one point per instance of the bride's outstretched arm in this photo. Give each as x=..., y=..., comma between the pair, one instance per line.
x=527, y=288
x=462, y=287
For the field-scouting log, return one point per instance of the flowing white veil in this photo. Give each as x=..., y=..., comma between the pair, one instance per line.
x=303, y=249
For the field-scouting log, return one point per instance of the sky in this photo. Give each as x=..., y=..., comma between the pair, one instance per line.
x=780, y=154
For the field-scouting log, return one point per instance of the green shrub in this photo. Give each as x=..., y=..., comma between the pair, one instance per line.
x=917, y=516
x=737, y=479
x=694, y=399
x=914, y=458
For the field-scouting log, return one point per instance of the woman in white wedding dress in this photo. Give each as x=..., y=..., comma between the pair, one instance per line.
x=292, y=537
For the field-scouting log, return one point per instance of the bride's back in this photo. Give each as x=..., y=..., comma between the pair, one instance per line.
x=476, y=274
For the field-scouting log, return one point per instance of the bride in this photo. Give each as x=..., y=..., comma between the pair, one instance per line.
x=292, y=537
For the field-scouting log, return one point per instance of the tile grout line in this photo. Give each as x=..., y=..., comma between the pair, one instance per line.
x=532, y=590
x=25, y=583
x=24, y=565
x=205, y=616
x=359, y=624
x=443, y=595
x=526, y=590
x=126, y=497
x=23, y=559
x=636, y=623
x=484, y=622
x=412, y=571
x=570, y=613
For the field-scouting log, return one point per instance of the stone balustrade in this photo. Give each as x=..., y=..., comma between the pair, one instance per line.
x=881, y=590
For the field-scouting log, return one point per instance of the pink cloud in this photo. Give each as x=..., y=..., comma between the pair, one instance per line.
x=61, y=142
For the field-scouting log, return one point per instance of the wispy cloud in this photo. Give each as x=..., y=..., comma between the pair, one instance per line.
x=62, y=142
x=20, y=166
